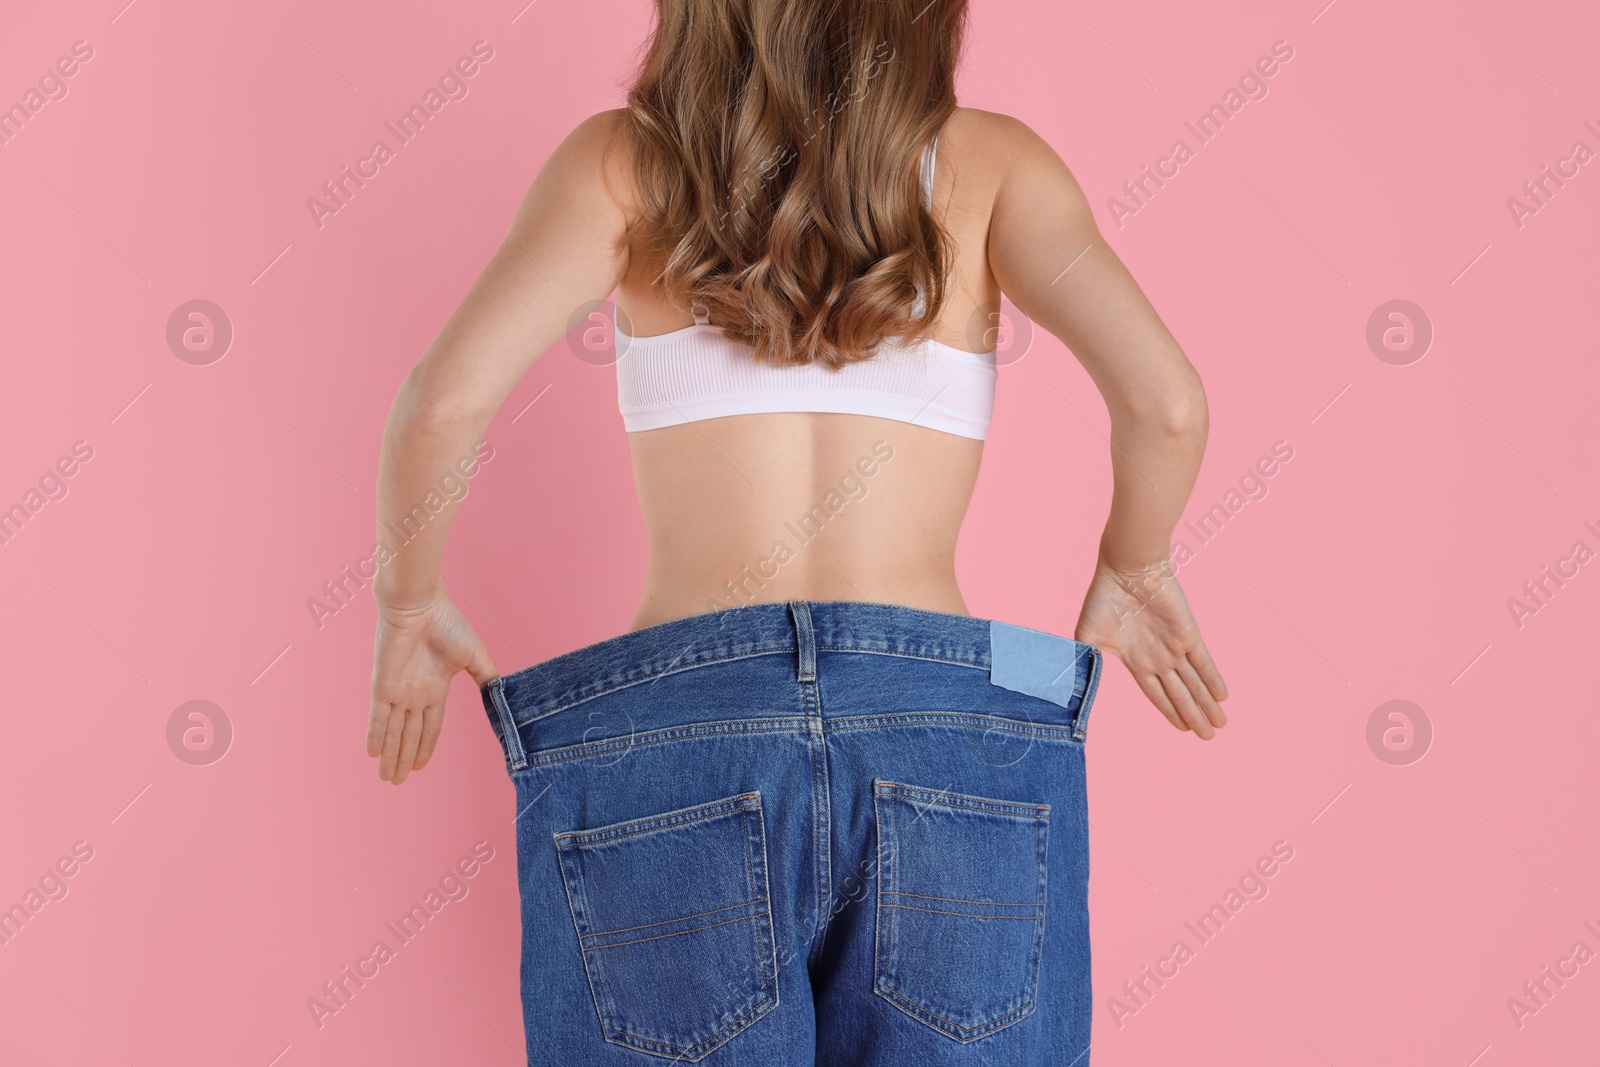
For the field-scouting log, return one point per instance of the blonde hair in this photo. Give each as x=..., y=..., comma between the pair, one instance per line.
x=776, y=148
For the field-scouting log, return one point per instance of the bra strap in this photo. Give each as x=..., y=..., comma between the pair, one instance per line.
x=702, y=315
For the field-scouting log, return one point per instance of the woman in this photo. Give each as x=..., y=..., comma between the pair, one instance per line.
x=807, y=809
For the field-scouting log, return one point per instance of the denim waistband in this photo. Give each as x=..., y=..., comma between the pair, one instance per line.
x=754, y=630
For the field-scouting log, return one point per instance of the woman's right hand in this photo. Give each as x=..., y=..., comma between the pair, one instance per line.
x=418, y=651
x=1143, y=618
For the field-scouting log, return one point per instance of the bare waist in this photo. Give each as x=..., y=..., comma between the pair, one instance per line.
x=801, y=506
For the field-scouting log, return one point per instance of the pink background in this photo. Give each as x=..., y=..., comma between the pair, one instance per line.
x=219, y=498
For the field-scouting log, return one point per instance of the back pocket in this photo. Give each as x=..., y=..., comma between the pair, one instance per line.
x=961, y=899
x=674, y=923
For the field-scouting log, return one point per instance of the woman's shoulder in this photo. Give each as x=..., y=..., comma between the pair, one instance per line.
x=1005, y=139
x=595, y=157
x=991, y=148
x=985, y=149
x=988, y=134
x=1023, y=168
x=595, y=138
x=988, y=130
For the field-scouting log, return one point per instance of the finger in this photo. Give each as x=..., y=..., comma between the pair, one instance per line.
x=1202, y=697
x=481, y=667
x=432, y=723
x=390, y=755
x=1179, y=695
x=1207, y=669
x=1151, y=685
x=377, y=720
x=410, y=737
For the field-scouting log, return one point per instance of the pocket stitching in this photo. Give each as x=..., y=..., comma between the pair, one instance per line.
x=682, y=918
x=769, y=980
x=567, y=843
x=574, y=907
x=964, y=1034
x=965, y=915
x=667, y=820
x=962, y=801
x=628, y=1039
x=1039, y=815
x=680, y=933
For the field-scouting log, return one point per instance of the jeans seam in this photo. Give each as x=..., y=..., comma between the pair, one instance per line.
x=596, y=980
x=516, y=755
x=667, y=735
x=1016, y=809
x=574, y=701
x=629, y=683
x=894, y=881
x=759, y=832
x=971, y=1032
x=619, y=1036
x=679, y=919
x=753, y=916
x=968, y=915
x=1044, y=911
x=589, y=749
x=1080, y=721
x=666, y=821
x=976, y=720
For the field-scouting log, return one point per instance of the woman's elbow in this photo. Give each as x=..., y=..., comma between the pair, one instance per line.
x=1183, y=412
x=429, y=399
x=1176, y=410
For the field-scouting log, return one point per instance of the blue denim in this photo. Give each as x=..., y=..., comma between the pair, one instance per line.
x=837, y=834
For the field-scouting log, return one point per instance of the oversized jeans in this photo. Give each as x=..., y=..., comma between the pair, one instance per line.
x=840, y=834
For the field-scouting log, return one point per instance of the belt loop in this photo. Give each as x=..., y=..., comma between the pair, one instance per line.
x=805, y=642
x=515, y=755
x=1080, y=721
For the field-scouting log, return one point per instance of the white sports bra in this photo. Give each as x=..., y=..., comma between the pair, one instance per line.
x=698, y=373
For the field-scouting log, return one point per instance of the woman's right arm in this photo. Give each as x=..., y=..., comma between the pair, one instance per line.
x=560, y=253
x=1052, y=262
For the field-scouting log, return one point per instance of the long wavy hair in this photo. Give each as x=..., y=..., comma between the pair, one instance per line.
x=776, y=148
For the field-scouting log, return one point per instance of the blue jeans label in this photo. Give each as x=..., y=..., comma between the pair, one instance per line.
x=1034, y=662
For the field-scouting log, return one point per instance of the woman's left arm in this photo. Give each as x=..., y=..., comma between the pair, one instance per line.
x=561, y=252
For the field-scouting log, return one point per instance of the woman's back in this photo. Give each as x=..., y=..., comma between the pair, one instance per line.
x=802, y=683
x=795, y=501
x=789, y=505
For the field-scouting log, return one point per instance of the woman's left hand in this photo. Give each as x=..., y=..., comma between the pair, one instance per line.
x=418, y=651
x=1142, y=617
